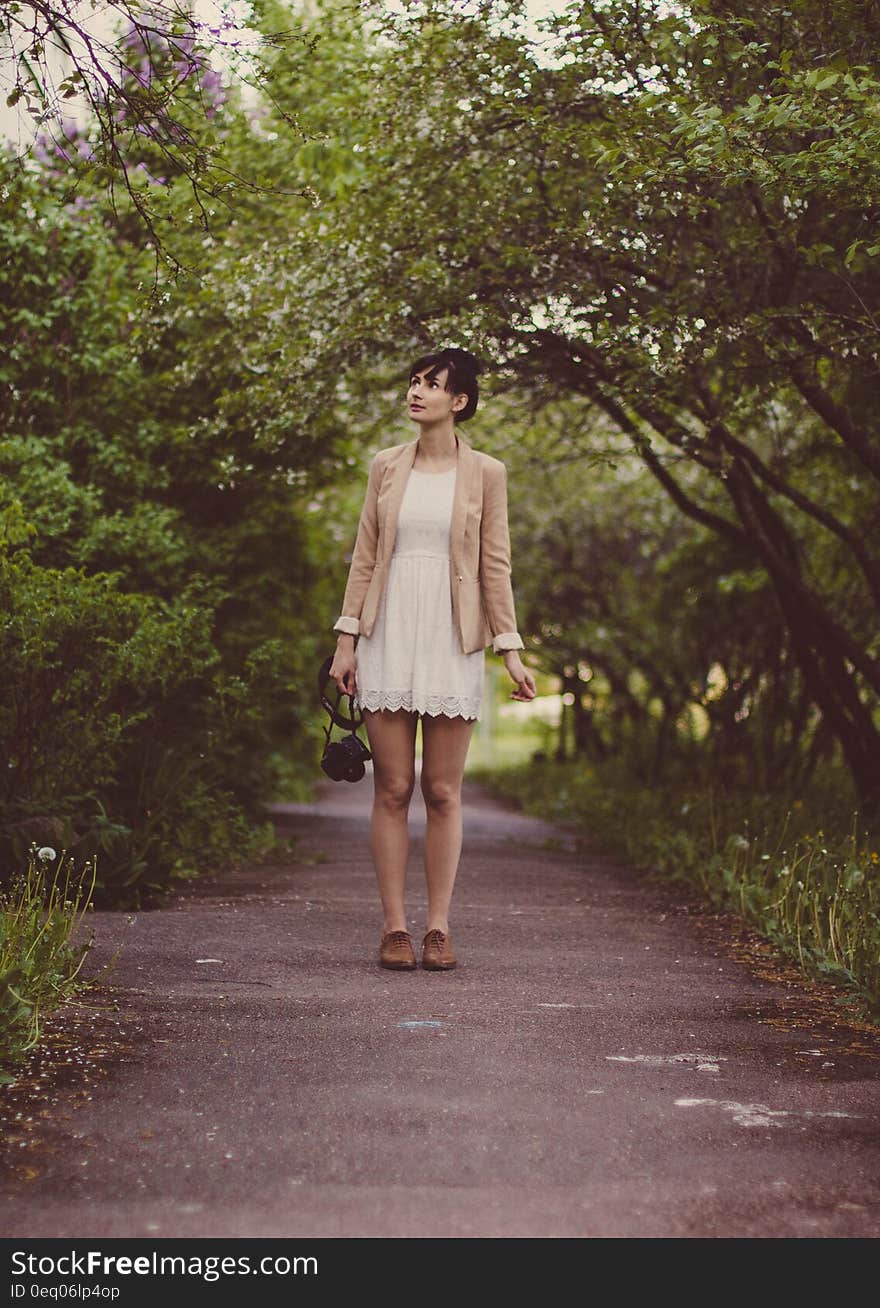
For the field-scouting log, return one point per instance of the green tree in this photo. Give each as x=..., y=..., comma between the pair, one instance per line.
x=129, y=452
x=141, y=98
x=671, y=215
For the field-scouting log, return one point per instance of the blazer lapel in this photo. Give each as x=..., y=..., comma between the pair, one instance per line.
x=399, y=473
x=464, y=481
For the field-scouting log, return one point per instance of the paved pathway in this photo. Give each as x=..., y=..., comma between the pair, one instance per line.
x=599, y=1064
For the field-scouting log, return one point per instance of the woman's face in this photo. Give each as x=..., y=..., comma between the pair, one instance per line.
x=428, y=401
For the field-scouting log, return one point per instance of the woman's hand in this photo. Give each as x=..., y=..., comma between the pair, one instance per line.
x=525, y=682
x=343, y=669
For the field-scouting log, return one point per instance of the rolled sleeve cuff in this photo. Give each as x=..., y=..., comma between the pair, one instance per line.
x=507, y=640
x=350, y=625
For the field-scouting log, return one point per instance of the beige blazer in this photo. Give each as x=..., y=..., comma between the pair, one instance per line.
x=479, y=548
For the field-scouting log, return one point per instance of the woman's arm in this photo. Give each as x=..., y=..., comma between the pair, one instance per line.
x=496, y=584
x=495, y=563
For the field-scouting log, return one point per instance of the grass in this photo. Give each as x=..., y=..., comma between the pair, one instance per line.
x=41, y=913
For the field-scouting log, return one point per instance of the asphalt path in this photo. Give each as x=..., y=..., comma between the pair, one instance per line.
x=606, y=1060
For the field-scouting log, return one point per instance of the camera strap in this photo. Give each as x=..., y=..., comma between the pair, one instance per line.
x=335, y=717
x=354, y=720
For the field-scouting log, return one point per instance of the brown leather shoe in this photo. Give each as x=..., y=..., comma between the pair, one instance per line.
x=397, y=950
x=437, y=953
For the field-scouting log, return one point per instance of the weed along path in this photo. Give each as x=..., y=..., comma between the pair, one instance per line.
x=605, y=1061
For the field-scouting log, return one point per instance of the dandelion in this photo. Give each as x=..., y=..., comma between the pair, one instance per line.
x=46, y=854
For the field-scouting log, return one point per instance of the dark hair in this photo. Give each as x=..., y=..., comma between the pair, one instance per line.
x=461, y=378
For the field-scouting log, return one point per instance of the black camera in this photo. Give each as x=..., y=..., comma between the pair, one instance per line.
x=344, y=760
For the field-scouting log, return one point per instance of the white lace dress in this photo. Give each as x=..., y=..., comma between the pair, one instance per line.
x=413, y=659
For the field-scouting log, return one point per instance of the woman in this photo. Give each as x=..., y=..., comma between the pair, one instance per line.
x=428, y=588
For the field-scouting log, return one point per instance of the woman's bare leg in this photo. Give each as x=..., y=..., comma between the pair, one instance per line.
x=392, y=737
x=444, y=750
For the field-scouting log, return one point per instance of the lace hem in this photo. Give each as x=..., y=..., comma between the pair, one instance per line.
x=452, y=706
